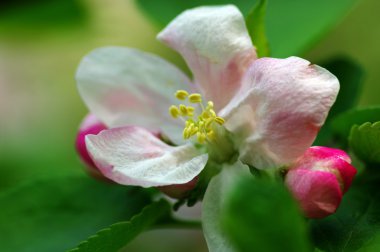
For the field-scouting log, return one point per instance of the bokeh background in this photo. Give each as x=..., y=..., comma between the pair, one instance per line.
x=42, y=42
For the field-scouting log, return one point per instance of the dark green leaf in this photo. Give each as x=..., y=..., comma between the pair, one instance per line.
x=255, y=22
x=341, y=125
x=31, y=14
x=350, y=76
x=365, y=142
x=357, y=220
x=292, y=26
x=261, y=216
x=57, y=213
x=118, y=235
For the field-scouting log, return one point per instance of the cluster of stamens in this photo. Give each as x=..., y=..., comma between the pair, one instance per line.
x=200, y=124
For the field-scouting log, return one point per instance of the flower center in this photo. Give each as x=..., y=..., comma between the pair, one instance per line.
x=196, y=124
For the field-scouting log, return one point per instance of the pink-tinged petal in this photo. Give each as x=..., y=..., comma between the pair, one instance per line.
x=216, y=46
x=134, y=156
x=279, y=109
x=179, y=191
x=124, y=86
x=318, y=180
x=329, y=159
x=89, y=125
x=317, y=192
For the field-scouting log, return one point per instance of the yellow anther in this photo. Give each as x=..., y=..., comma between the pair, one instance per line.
x=201, y=137
x=183, y=109
x=219, y=120
x=181, y=94
x=197, y=123
x=210, y=134
x=190, y=110
x=195, y=98
x=205, y=115
x=184, y=133
x=194, y=131
x=209, y=122
x=201, y=124
x=174, y=111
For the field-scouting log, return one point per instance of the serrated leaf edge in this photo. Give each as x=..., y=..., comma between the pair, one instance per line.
x=130, y=222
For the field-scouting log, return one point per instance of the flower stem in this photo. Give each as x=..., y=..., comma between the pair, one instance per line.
x=174, y=223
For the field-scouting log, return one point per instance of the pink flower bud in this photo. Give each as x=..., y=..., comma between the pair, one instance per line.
x=319, y=179
x=179, y=191
x=89, y=125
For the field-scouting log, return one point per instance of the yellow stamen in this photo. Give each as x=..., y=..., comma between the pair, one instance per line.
x=183, y=109
x=210, y=134
x=219, y=120
x=201, y=137
x=181, y=94
x=174, y=111
x=195, y=98
x=199, y=124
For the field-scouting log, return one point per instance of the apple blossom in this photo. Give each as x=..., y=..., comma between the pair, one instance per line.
x=265, y=112
x=319, y=179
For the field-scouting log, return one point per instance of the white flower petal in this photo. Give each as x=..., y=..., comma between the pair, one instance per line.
x=279, y=110
x=134, y=156
x=213, y=204
x=215, y=44
x=124, y=86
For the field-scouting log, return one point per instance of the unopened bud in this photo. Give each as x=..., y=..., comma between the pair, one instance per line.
x=90, y=125
x=319, y=179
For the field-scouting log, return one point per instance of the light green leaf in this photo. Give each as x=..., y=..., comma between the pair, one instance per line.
x=255, y=22
x=341, y=125
x=260, y=215
x=118, y=235
x=55, y=214
x=292, y=26
x=365, y=142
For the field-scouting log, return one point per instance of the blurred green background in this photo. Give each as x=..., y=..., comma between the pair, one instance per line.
x=42, y=43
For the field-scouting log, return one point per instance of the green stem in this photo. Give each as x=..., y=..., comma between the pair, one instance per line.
x=178, y=224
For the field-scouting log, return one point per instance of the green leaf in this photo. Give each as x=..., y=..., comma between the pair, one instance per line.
x=22, y=14
x=255, y=22
x=365, y=142
x=261, y=215
x=118, y=235
x=341, y=125
x=55, y=214
x=292, y=26
x=357, y=220
x=350, y=76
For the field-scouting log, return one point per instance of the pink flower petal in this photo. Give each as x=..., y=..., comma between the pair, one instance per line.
x=317, y=192
x=329, y=159
x=215, y=44
x=134, y=156
x=89, y=125
x=279, y=109
x=124, y=86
